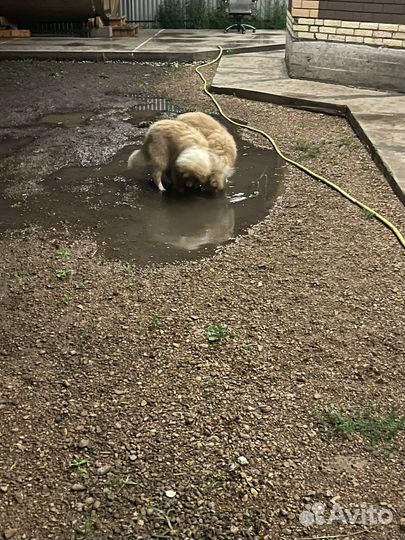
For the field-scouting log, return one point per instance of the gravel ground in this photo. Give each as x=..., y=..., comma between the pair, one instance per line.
x=119, y=419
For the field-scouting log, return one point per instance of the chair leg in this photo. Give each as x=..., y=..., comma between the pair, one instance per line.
x=238, y=26
x=230, y=27
x=246, y=26
x=241, y=27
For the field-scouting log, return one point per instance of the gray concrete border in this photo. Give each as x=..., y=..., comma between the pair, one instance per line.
x=129, y=56
x=269, y=82
x=331, y=108
x=150, y=45
x=381, y=68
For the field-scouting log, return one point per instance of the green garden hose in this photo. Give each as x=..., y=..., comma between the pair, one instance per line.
x=368, y=210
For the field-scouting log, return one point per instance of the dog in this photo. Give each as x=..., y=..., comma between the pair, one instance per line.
x=177, y=153
x=220, y=143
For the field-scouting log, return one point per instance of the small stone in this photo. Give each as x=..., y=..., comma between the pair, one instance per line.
x=83, y=443
x=317, y=396
x=96, y=505
x=4, y=489
x=143, y=403
x=18, y=497
x=170, y=493
x=242, y=460
x=78, y=487
x=254, y=492
x=9, y=533
x=89, y=501
x=132, y=457
x=103, y=470
x=234, y=529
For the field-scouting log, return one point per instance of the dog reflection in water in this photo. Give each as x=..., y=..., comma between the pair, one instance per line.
x=190, y=222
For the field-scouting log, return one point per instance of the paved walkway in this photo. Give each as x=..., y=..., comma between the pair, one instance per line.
x=259, y=73
x=377, y=117
x=177, y=45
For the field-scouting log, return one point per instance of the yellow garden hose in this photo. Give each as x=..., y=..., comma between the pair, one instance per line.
x=367, y=209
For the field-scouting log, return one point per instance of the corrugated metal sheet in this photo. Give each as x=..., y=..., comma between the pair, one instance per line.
x=142, y=11
x=155, y=104
x=146, y=12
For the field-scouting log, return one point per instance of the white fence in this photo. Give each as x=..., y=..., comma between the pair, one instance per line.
x=146, y=12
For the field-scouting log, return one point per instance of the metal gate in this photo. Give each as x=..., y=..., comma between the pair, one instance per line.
x=144, y=12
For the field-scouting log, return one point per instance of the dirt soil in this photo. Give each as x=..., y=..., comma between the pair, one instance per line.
x=119, y=419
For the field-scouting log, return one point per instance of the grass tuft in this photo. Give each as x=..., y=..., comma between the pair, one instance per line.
x=376, y=429
x=63, y=274
x=307, y=148
x=216, y=332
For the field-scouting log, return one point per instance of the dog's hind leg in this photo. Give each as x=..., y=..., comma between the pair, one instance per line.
x=157, y=178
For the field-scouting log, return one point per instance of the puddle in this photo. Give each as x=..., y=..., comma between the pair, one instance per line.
x=132, y=221
x=67, y=120
x=9, y=145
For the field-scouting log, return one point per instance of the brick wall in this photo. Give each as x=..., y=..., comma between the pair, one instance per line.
x=380, y=11
x=348, y=22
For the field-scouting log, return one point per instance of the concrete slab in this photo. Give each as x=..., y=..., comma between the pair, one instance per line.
x=175, y=45
x=377, y=117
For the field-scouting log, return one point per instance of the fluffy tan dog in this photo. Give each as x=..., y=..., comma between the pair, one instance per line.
x=175, y=150
x=220, y=142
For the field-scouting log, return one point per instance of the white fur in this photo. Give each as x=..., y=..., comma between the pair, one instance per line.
x=137, y=160
x=195, y=156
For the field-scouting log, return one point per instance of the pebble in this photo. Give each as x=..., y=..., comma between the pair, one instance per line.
x=83, y=443
x=103, y=470
x=170, y=493
x=96, y=505
x=242, y=460
x=18, y=497
x=78, y=487
x=9, y=533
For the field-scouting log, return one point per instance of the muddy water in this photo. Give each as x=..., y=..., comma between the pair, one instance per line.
x=11, y=145
x=67, y=119
x=132, y=221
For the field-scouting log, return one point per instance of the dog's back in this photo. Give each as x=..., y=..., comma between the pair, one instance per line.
x=174, y=149
x=220, y=141
x=169, y=138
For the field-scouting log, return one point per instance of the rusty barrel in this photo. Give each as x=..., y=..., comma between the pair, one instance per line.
x=57, y=10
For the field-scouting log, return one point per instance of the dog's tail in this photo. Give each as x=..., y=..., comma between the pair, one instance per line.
x=137, y=160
